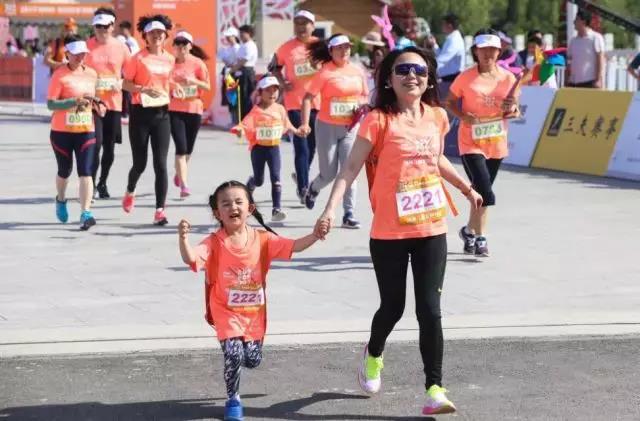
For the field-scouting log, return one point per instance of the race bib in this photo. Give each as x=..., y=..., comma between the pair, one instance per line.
x=148, y=101
x=303, y=69
x=269, y=135
x=421, y=200
x=489, y=132
x=343, y=107
x=78, y=122
x=190, y=91
x=105, y=84
x=246, y=298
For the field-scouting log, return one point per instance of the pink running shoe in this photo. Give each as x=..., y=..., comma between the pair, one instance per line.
x=128, y=202
x=159, y=218
x=185, y=192
x=176, y=180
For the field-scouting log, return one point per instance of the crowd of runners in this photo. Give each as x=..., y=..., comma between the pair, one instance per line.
x=392, y=121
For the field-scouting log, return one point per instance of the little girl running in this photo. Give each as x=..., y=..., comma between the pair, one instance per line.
x=264, y=126
x=236, y=259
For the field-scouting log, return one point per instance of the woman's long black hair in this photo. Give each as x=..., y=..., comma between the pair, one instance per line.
x=197, y=51
x=144, y=20
x=385, y=97
x=319, y=51
x=213, y=201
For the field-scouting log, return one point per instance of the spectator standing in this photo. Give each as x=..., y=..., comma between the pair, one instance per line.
x=451, y=57
x=586, y=55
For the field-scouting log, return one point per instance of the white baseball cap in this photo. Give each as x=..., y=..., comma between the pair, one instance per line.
x=184, y=35
x=153, y=25
x=103, y=19
x=339, y=40
x=265, y=82
x=76, y=47
x=306, y=14
x=231, y=32
x=487, y=40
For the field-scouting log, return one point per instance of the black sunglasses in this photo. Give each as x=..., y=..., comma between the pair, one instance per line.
x=102, y=26
x=180, y=42
x=404, y=69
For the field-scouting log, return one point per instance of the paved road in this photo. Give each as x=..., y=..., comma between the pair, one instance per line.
x=514, y=379
x=564, y=260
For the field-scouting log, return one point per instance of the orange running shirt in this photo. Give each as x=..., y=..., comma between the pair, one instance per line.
x=108, y=60
x=293, y=55
x=65, y=84
x=407, y=196
x=192, y=103
x=342, y=90
x=150, y=71
x=238, y=300
x=266, y=126
x=483, y=97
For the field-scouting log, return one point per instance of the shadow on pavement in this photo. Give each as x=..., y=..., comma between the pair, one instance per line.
x=327, y=264
x=188, y=409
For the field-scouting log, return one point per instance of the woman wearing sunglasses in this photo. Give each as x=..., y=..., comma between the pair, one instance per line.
x=185, y=111
x=147, y=77
x=343, y=88
x=402, y=139
x=107, y=57
x=483, y=97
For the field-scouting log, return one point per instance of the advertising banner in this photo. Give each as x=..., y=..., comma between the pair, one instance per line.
x=524, y=132
x=581, y=130
x=625, y=161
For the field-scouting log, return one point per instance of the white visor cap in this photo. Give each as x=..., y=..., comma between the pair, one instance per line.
x=76, y=47
x=339, y=40
x=231, y=32
x=185, y=35
x=103, y=19
x=487, y=40
x=265, y=82
x=306, y=14
x=153, y=25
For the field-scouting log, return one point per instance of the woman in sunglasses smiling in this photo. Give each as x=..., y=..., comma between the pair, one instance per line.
x=488, y=96
x=403, y=140
x=185, y=111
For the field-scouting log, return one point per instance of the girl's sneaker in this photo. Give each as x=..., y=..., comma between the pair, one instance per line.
x=159, y=218
x=61, y=211
x=437, y=402
x=185, y=192
x=277, y=215
x=233, y=410
x=86, y=220
x=128, y=202
x=369, y=373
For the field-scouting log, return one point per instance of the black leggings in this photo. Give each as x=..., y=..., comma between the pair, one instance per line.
x=238, y=354
x=65, y=145
x=428, y=261
x=108, y=133
x=150, y=124
x=184, y=130
x=262, y=156
x=482, y=173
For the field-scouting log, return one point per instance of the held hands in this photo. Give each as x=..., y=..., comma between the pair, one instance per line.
x=323, y=224
x=184, y=227
x=83, y=102
x=299, y=132
x=304, y=130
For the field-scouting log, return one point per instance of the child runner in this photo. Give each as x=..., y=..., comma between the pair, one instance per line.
x=236, y=259
x=264, y=126
x=185, y=112
x=70, y=94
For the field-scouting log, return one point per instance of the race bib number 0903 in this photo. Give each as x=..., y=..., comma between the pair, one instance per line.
x=78, y=122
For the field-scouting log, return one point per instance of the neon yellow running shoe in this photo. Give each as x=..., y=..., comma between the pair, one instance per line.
x=437, y=402
x=369, y=373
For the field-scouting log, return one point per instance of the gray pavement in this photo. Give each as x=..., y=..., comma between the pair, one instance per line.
x=491, y=379
x=564, y=260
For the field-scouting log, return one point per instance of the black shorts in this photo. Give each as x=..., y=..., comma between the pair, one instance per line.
x=184, y=130
x=82, y=145
x=482, y=173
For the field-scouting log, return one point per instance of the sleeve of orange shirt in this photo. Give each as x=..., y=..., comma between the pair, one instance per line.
x=55, y=87
x=317, y=83
x=202, y=252
x=369, y=127
x=130, y=68
x=280, y=248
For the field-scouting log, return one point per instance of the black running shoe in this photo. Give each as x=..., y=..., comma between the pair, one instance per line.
x=103, y=193
x=310, y=199
x=482, y=250
x=469, y=241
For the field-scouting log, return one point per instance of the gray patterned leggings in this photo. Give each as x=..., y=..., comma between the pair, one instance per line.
x=238, y=353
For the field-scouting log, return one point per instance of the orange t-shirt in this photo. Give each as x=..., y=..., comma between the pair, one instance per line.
x=266, y=126
x=150, y=71
x=293, y=55
x=107, y=60
x=483, y=97
x=192, y=103
x=407, y=196
x=342, y=90
x=238, y=300
x=65, y=84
